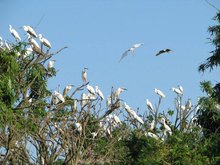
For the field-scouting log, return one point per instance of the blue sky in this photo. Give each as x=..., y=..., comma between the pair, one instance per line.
x=98, y=32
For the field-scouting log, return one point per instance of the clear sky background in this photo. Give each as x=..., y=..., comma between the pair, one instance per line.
x=97, y=32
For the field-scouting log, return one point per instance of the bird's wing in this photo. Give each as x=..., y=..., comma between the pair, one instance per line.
x=160, y=52
x=124, y=55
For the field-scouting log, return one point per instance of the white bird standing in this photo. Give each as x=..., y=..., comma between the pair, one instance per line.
x=118, y=92
x=30, y=30
x=67, y=89
x=84, y=75
x=14, y=33
x=44, y=41
x=152, y=125
x=99, y=92
x=51, y=64
x=166, y=127
x=84, y=99
x=133, y=113
x=149, y=105
x=160, y=93
x=90, y=89
x=188, y=104
x=108, y=102
x=132, y=49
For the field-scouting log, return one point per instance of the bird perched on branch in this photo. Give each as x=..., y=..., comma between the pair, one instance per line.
x=163, y=51
x=44, y=41
x=30, y=31
x=84, y=75
x=14, y=33
x=131, y=50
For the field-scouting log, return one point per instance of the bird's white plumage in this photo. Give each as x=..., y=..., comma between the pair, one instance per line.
x=99, y=92
x=166, y=127
x=159, y=92
x=118, y=92
x=133, y=113
x=78, y=127
x=152, y=135
x=149, y=105
x=51, y=64
x=59, y=96
x=44, y=41
x=177, y=91
x=14, y=33
x=30, y=30
x=131, y=49
x=90, y=89
x=84, y=75
x=67, y=89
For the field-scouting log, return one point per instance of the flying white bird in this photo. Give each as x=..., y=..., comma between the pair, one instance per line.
x=131, y=50
x=166, y=127
x=149, y=105
x=44, y=41
x=160, y=93
x=164, y=51
x=30, y=30
x=84, y=75
x=118, y=92
x=14, y=33
x=90, y=89
x=133, y=113
x=177, y=91
x=67, y=89
x=99, y=92
x=51, y=64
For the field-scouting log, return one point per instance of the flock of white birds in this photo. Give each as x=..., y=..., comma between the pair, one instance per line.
x=96, y=93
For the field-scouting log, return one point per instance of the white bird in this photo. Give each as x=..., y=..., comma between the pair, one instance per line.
x=152, y=135
x=84, y=99
x=44, y=41
x=149, y=105
x=51, y=64
x=14, y=33
x=188, y=104
x=180, y=88
x=99, y=92
x=84, y=75
x=90, y=89
x=160, y=93
x=28, y=51
x=133, y=113
x=116, y=119
x=59, y=96
x=94, y=134
x=166, y=127
x=32, y=41
x=30, y=30
x=132, y=49
x=108, y=102
x=177, y=91
x=78, y=127
x=152, y=125
x=8, y=46
x=67, y=89
x=118, y=92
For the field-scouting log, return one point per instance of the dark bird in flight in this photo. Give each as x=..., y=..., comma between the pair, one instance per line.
x=164, y=51
x=131, y=50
